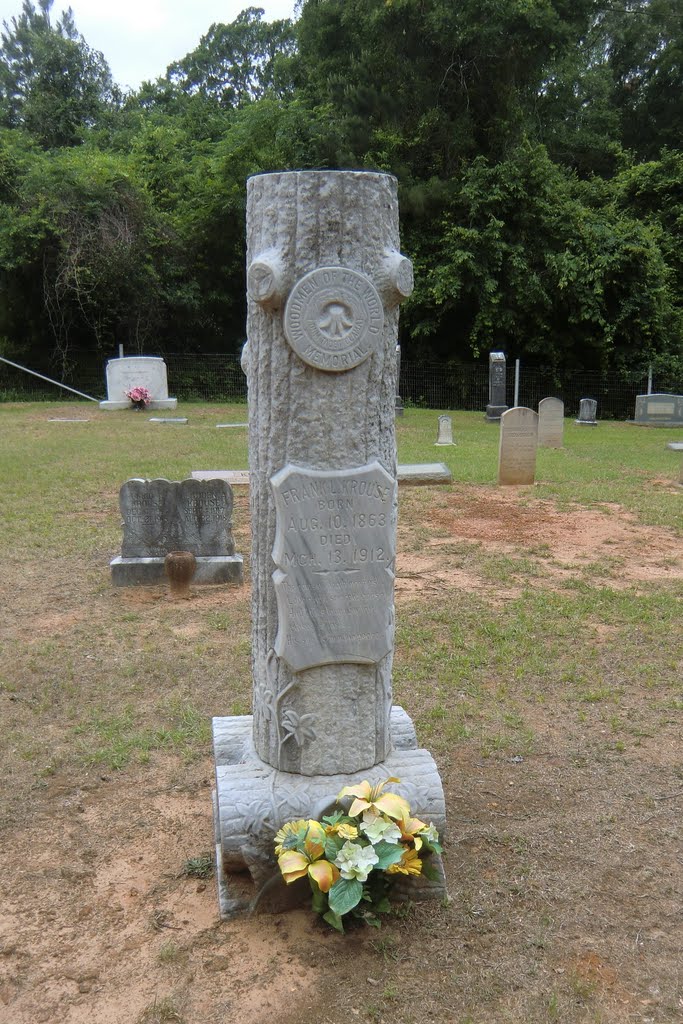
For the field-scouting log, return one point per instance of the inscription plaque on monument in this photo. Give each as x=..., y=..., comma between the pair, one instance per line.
x=333, y=318
x=334, y=548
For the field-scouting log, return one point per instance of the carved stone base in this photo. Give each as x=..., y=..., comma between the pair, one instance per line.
x=156, y=403
x=253, y=800
x=147, y=572
x=494, y=412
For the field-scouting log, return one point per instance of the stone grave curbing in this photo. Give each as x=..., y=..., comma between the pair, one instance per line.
x=322, y=324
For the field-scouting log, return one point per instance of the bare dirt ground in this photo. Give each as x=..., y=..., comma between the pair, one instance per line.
x=565, y=867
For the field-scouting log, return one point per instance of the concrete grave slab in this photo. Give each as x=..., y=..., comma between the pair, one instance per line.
x=424, y=473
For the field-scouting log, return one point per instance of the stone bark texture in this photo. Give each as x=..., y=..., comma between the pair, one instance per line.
x=297, y=222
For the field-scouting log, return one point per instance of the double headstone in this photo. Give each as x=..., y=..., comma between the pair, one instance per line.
x=325, y=278
x=517, y=446
x=588, y=408
x=160, y=516
x=551, y=423
x=497, y=384
x=137, y=371
x=659, y=410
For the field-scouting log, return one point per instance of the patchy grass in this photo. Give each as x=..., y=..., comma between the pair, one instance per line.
x=541, y=662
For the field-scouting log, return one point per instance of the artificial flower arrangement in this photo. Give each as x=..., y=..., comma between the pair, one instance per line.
x=139, y=396
x=351, y=858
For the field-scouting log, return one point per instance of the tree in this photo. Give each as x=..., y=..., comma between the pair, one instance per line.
x=239, y=62
x=531, y=260
x=421, y=85
x=620, y=88
x=81, y=250
x=51, y=82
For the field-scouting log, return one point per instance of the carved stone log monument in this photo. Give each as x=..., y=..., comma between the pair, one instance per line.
x=325, y=278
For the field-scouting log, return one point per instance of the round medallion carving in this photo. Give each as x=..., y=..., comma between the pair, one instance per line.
x=333, y=318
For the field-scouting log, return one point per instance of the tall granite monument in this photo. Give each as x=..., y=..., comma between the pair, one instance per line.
x=497, y=381
x=325, y=278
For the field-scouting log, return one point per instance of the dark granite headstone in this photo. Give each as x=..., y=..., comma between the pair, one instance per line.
x=588, y=408
x=497, y=381
x=160, y=516
x=167, y=515
x=659, y=410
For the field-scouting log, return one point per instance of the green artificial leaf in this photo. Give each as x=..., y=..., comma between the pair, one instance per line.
x=430, y=872
x=344, y=895
x=333, y=845
x=319, y=900
x=382, y=906
x=431, y=846
x=388, y=853
x=335, y=920
x=333, y=819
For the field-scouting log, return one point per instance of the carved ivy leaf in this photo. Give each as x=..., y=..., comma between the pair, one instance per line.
x=299, y=727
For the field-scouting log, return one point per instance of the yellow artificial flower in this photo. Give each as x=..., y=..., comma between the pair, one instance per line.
x=410, y=829
x=343, y=830
x=291, y=828
x=295, y=863
x=371, y=798
x=409, y=864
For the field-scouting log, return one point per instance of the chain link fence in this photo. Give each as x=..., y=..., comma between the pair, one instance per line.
x=212, y=377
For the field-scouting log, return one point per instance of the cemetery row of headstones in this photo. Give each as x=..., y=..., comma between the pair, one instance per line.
x=162, y=516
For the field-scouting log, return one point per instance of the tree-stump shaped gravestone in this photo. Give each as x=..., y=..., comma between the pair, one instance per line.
x=325, y=277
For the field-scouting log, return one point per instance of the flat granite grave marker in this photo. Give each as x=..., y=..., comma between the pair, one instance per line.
x=325, y=277
x=160, y=516
x=137, y=371
x=659, y=410
x=675, y=446
x=417, y=473
x=551, y=423
x=445, y=431
x=588, y=408
x=497, y=382
x=517, y=448
x=235, y=477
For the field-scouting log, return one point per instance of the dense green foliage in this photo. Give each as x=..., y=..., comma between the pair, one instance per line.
x=537, y=145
